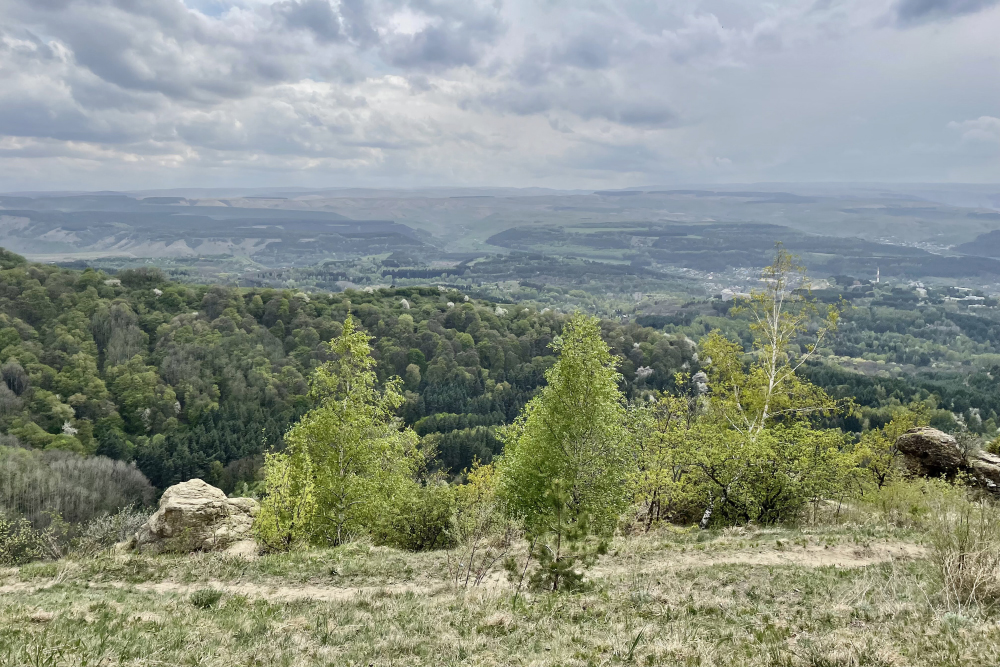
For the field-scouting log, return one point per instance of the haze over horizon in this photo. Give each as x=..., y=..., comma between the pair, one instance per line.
x=147, y=94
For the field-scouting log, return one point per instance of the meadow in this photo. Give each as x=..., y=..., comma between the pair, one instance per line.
x=862, y=593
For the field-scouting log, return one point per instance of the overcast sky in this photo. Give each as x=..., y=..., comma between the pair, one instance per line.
x=118, y=94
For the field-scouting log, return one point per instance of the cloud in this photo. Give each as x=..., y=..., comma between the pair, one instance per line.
x=586, y=51
x=454, y=34
x=985, y=129
x=328, y=21
x=909, y=12
x=316, y=16
x=116, y=93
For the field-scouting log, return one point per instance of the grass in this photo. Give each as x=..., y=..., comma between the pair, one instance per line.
x=839, y=596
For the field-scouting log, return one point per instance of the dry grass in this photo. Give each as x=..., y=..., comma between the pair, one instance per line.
x=739, y=597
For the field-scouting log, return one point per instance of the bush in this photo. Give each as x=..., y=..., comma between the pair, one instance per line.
x=20, y=543
x=964, y=535
x=482, y=529
x=108, y=530
x=905, y=504
x=424, y=519
x=206, y=598
x=962, y=530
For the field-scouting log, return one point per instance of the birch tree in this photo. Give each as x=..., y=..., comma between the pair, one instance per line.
x=566, y=465
x=756, y=446
x=352, y=443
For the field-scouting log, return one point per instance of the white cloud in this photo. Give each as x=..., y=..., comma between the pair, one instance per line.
x=985, y=129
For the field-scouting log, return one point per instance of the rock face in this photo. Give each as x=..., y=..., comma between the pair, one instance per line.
x=195, y=516
x=928, y=451
x=986, y=469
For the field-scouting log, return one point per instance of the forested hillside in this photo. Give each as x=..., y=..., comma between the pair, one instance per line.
x=198, y=381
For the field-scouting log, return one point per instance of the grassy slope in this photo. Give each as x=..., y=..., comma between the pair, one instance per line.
x=830, y=597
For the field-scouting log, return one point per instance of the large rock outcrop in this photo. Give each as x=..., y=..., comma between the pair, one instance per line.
x=195, y=516
x=928, y=451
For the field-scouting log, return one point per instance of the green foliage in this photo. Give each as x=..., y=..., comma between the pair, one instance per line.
x=349, y=455
x=877, y=453
x=288, y=508
x=559, y=545
x=905, y=503
x=20, y=543
x=574, y=431
x=422, y=517
x=482, y=528
x=663, y=483
x=757, y=445
x=182, y=379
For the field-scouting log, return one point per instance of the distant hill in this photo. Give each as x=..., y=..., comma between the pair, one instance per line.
x=985, y=245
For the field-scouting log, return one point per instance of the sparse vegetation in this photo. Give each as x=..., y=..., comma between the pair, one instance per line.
x=863, y=592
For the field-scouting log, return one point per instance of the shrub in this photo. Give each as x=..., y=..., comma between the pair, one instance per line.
x=964, y=536
x=905, y=503
x=20, y=543
x=423, y=519
x=560, y=547
x=482, y=529
x=108, y=530
x=205, y=598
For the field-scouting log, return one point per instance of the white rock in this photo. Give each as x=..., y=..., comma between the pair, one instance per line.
x=196, y=516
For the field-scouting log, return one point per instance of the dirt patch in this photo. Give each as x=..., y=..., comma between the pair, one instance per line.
x=841, y=555
x=284, y=593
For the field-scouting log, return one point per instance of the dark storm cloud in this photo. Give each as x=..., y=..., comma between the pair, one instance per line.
x=917, y=11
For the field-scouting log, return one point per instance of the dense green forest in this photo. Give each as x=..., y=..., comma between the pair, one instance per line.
x=193, y=380
x=199, y=381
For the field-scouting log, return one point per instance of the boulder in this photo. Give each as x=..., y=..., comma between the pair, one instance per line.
x=928, y=451
x=985, y=467
x=195, y=516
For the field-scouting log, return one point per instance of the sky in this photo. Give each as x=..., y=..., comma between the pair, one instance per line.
x=141, y=94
